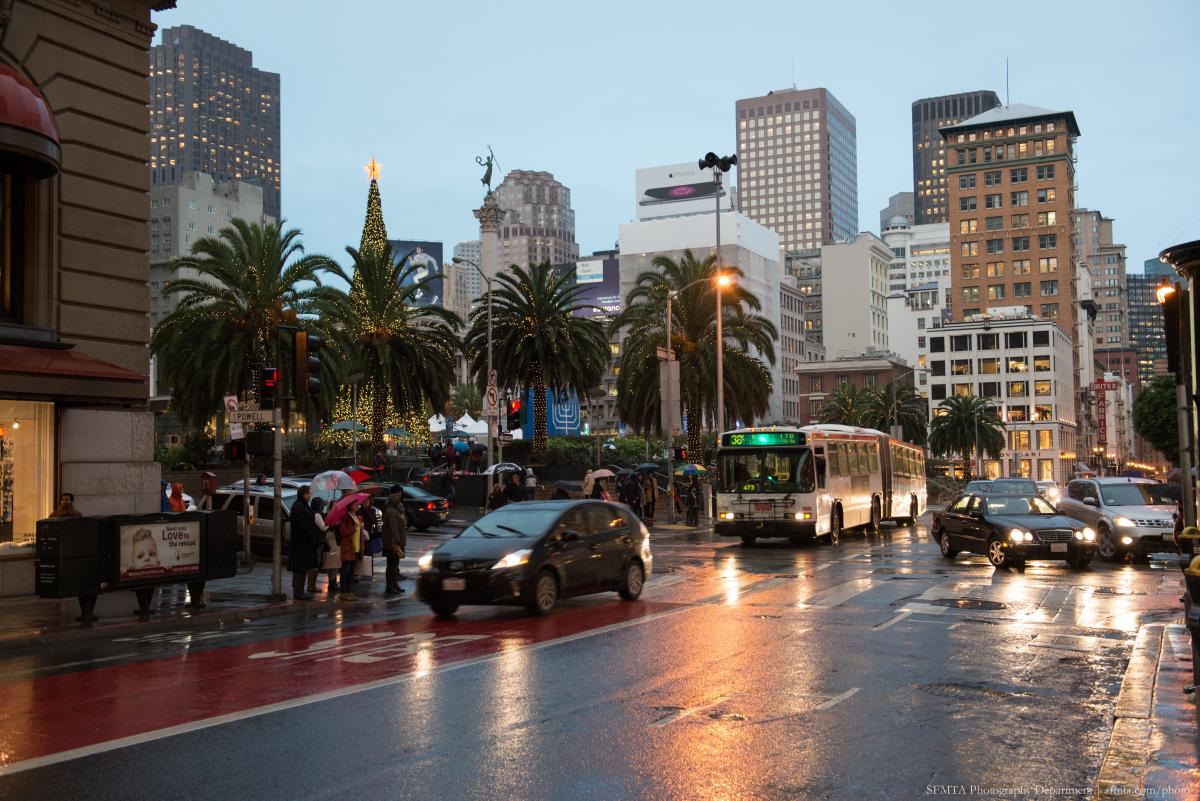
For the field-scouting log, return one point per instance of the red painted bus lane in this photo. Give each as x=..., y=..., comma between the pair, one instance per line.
x=48, y=719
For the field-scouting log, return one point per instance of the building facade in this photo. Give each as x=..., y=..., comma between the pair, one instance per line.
x=1025, y=367
x=900, y=205
x=745, y=243
x=212, y=111
x=794, y=347
x=929, y=115
x=538, y=224
x=853, y=297
x=1106, y=261
x=73, y=269
x=819, y=379
x=1147, y=332
x=798, y=166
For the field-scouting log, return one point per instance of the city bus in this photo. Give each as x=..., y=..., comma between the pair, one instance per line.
x=815, y=482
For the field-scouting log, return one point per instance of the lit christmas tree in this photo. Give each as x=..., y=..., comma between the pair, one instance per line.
x=374, y=417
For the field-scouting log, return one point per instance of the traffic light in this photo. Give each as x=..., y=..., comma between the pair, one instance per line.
x=306, y=367
x=268, y=386
x=514, y=414
x=680, y=454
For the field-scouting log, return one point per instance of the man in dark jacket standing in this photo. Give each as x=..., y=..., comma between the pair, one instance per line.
x=395, y=538
x=305, y=539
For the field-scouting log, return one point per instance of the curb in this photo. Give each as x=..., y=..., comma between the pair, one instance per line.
x=1123, y=771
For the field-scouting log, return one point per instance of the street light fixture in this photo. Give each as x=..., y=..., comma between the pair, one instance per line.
x=719, y=165
x=488, y=282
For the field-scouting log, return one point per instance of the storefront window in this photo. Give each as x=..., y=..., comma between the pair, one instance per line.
x=26, y=467
x=1024, y=468
x=1045, y=469
x=991, y=469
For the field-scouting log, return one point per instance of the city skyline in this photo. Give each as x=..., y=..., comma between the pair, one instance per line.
x=429, y=124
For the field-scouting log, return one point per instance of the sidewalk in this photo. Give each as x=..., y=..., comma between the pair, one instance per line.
x=1154, y=751
x=246, y=596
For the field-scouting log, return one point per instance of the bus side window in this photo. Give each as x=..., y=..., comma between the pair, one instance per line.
x=820, y=461
x=873, y=452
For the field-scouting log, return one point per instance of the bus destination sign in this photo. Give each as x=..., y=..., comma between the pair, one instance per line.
x=753, y=439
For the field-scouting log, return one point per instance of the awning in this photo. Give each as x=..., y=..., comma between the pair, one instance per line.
x=62, y=374
x=27, y=126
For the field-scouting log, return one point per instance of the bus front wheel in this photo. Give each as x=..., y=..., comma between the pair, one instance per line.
x=835, y=526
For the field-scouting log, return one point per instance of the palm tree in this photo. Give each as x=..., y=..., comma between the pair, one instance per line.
x=464, y=399
x=848, y=405
x=248, y=280
x=899, y=403
x=539, y=342
x=405, y=352
x=955, y=423
x=694, y=340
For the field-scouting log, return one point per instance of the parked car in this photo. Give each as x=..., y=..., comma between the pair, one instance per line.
x=1011, y=529
x=1125, y=513
x=262, y=510
x=977, y=486
x=537, y=552
x=424, y=509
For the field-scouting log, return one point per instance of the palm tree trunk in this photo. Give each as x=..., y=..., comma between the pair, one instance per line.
x=695, y=441
x=539, y=411
x=379, y=398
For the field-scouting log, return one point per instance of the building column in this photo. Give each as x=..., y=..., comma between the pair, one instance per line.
x=106, y=458
x=489, y=216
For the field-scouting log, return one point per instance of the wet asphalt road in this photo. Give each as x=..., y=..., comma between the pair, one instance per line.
x=872, y=670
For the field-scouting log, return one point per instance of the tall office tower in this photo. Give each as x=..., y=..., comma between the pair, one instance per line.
x=798, y=167
x=929, y=152
x=1147, y=331
x=1011, y=175
x=471, y=280
x=899, y=205
x=1153, y=268
x=538, y=224
x=211, y=111
x=1106, y=260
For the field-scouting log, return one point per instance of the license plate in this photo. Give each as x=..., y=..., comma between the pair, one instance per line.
x=762, y=507
x=454, y=584
x=1058, y=547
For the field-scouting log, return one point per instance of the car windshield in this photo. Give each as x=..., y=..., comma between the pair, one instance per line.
x=512, y=522
x=1018, y=505
x=1013, y=485
x=768, y=470
x=978, y=486
x=1126, y=494
x=1165, y=493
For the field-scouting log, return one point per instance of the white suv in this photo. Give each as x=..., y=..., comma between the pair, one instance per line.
x=1123, y=513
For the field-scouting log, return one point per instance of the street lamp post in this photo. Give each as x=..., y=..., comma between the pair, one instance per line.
x=491, y=420
x=719, y=165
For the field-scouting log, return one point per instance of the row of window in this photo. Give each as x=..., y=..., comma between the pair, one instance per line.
x=1019, y=243
x=907, y=462
x=1020, y=290
x=995, y=269
x=852, y=458
x=1018, y=175
x=1012, y=339
x=996, y=201
x=971, y=226
x=1048, y=311
x=1040, y=147
x=991, y=366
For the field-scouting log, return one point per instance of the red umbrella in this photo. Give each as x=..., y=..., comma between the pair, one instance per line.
x=357, y=472
x=342, y=505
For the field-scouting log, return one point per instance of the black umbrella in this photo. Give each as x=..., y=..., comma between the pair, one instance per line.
x=646, y=467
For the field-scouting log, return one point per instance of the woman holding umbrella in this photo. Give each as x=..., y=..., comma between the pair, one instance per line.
x=343, y=516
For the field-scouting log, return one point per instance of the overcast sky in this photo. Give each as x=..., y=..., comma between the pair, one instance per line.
x=591, y=92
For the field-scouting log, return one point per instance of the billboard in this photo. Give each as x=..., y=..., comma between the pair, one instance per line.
x=679, y=189
x=601, y=282
x=154, y=550
x=426, y=258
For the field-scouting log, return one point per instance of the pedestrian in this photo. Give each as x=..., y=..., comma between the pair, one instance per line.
x=476, y=457
x=380, y=462
x=177, y=501
x=372, y=533
x=597, y=489
x=331, y=559
x=66, y=506
x=305, y=540
x=394, y=539
x=633, y=494
x=588, y=483
x=450, y=489
x=650, y=497
x=348, y=537
x=622, y=493
x=451, y=455
x=694, y=496
x=496, y=499
x=515, y=491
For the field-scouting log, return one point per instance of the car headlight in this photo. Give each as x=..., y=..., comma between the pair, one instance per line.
x=1089, y=535
x=1016, y=535
x=514, y=559
x=426, y=562
x=1124, y=522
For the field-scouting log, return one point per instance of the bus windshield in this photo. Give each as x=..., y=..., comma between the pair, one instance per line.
x=767, y=470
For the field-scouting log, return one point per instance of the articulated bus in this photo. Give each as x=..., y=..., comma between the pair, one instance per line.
x=815, y=481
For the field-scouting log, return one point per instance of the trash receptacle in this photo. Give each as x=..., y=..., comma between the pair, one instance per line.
x=68, y=563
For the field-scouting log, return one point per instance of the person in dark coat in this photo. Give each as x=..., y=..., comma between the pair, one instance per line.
x=633, y=494
x=496, y=499
x=515, y=491
x=305, y=540
x=395, y=538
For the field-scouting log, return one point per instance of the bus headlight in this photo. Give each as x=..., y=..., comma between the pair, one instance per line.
x=803, y=515
x=725, y=515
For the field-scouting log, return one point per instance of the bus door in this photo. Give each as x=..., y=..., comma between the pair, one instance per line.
x=824, y=501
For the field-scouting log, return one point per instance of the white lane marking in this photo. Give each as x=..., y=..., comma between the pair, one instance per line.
x=837, y=699
x=825, y=566
x=891, y=622
x=953, y=626
x=838, y=594
x=233, y=717
x=688, y=712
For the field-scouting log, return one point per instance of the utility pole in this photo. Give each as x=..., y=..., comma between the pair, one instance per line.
x=670, y=420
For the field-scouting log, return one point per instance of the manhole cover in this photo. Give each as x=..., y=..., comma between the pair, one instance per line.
x=1113, y=591
x=968, y=603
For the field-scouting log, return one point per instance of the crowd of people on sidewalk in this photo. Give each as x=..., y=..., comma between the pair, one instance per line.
x=640, y=492
x=343, y=551
x=462, y=455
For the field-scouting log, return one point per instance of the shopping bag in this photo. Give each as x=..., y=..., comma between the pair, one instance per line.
x=365, y=566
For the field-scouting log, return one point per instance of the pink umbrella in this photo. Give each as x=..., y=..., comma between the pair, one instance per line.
x=342, y=505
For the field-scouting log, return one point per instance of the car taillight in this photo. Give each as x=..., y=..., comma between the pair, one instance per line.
x=429, y=505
